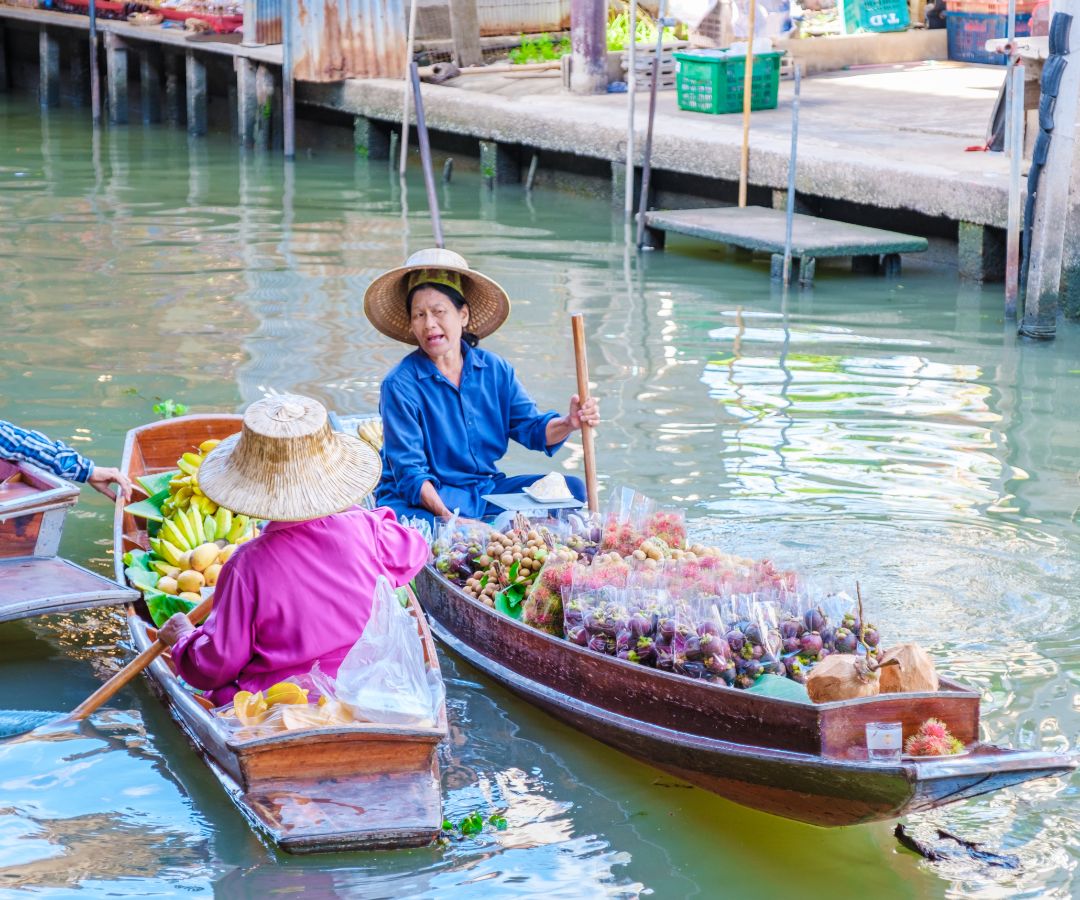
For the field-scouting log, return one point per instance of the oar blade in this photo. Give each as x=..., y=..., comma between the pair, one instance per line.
x=20, y=721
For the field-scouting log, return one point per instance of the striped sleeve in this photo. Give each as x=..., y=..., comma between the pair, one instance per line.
x=34, y=447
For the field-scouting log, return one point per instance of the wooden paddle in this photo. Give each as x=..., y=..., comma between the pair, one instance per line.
x=108, y=690
x=577, y=324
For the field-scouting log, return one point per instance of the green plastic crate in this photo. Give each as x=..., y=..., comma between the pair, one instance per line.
x=711, y=83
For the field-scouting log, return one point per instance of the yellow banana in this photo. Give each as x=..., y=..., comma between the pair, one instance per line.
x=183, y=525
x=171, y=533
x=207, y=446
x=223, y=518
x=169, y=552
x=178, y=482
x=239, y=526
x=182, y=497
x=194, y=459
x=196, y=526
x=187, y=468
x=163, y=568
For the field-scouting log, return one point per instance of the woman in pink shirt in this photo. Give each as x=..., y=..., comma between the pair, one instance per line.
x=301, y=592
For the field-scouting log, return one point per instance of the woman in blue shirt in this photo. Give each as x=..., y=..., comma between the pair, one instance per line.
x=450, y=408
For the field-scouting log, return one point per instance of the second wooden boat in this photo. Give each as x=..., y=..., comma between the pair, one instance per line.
x=355, y=787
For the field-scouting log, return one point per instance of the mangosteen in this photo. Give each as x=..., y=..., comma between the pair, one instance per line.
x=664, y=658
x=625, y=654
x=845, y=642
x=578, y=635
x=770, y=664
x=646, y=650
x=692, y=669
x=753, y=633
x=828, y=637
x=758, y=651
x=708, y=627
x=598, y=643
x=871, y=637
x=666, y=628
x=735, y=640
x=572, y=615
x=712, y=644
x=791, y=628
x=639, y=625
x=792, y=645
x=692, y=647
x=814, y=620
x=811, y=643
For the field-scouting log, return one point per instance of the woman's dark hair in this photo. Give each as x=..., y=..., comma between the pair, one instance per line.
x=453, y=296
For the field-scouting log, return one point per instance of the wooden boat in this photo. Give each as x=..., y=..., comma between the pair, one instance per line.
x=798, y=760
x=342, y=788
x=33, y=579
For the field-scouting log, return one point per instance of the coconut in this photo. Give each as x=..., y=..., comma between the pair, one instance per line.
x=914, y=670
x=842, y=676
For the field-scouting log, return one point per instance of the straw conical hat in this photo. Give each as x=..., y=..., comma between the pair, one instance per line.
x=287, y=465
x=384, y=300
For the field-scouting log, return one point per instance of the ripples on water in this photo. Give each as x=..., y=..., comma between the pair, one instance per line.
x=891, y=432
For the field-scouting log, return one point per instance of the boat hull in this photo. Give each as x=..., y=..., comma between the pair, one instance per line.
x=767, y=754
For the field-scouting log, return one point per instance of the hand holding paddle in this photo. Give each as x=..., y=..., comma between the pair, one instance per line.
x=587, y=434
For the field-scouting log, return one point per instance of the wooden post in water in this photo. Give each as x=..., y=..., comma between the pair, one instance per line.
x=425, y=157
x=790, y=219
x=150, y=83
x=631, y=96
x=48, y=69
x=588, y=45
x=409, y=44
x=195, y=73
x=116, y=74
x=1014, y=140
x=288, y=95
x=748, y=92
x=95, y=79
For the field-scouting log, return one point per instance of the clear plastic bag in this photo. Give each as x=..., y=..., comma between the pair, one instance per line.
x=624, y=519
x=384, y=678
x=595, y=610
x=543, y=606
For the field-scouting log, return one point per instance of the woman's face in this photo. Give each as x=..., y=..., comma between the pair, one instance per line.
x=436, y=323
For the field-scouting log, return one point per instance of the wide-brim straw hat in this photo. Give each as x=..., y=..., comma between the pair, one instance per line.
x=384, y=300
x=288, y=465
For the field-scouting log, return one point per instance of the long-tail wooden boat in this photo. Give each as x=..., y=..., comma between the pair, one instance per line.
x=35, y=581
x=340, y=788
x=798, y=760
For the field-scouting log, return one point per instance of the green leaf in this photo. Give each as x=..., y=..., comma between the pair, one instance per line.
x=497, y=822
x=158, y=482
x=138, y=558
x=163, y=606
x=141, y=578
x=150, y=508
x=484, y=581
x=508, y=601
x=514, y=569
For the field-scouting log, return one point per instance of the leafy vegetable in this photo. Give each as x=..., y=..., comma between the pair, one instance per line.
x=541, y=49
x=508, y=600
x=162, y=606
x=142, y=578
x=169, y=408
x=150, y=508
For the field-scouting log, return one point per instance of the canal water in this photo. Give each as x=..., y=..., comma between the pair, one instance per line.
x=892, y=433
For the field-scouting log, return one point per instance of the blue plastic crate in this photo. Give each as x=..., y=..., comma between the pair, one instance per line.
x=968, y=33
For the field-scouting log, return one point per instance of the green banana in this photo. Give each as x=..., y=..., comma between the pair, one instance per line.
x=169, y=552
x=209, y=526
x=172, y=533
x=223, y=519
x=196, y=526
x=239, y=526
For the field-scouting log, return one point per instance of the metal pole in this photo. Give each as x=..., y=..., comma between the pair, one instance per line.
x=288, y=98
x=95, y=83
x=631, y=93
x=791, y=178
x=1014, y=142
x=748, y=83
x=646, y=163
x=409, y=43
x=425, y=156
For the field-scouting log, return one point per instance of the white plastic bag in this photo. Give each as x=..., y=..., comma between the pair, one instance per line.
x=383, y=678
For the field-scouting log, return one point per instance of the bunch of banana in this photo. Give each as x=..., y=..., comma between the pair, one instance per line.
x=184, y=490
x=370, y=431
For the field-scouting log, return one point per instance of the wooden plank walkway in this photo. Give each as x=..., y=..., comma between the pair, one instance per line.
x=760, y=230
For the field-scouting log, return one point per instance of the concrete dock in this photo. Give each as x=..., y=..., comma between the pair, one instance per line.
x=879, y=146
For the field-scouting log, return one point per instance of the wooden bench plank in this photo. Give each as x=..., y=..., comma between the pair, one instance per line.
x=32, y=586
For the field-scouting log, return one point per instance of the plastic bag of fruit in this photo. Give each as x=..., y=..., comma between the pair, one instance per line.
x=289, y=705
x=624, y=519
x=458, y=544
x=595, y=609
x=543, y=606
x=384, y=677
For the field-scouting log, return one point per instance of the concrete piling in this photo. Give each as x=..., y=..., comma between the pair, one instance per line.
x=4, y=83
x=371, y=138
x=499, y=163
x=174, y=91
x=150, y=84
x=195, y=82
x=264, y=107
x=116, y=78
x=980, y=252
x=78, y=76
x=49, y=70
x=247, y=106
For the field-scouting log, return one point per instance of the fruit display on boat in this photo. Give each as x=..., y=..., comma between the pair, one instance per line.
x=634, y=588
x=933, y=739
x=190, y=538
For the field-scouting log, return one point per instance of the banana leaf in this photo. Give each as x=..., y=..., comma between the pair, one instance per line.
x=150, y=508
x=138, y=558
x=158, y=482
x=163, y=606
x=141, y=578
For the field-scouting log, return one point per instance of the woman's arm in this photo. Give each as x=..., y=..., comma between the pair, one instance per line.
x=404, y=449
x=587, y=413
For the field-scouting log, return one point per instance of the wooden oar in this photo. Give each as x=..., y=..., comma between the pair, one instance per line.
x=32, y=721
x=587, y=436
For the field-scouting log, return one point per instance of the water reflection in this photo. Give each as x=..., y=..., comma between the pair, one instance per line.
x=894, y=434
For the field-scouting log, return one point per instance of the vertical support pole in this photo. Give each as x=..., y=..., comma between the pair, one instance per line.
x=247, y=106
x=371, y=138
x=78, y=74
x=116, y=74
x=49, y=70
x=1014, y=133
x=789, y=222
x=631, y=98
x=410, y=40
x=588, y=46
x=264, y=107
x=174, y=91
x=747, y=103
x=288, y=96
x=95, y=77
x=425, y=158
x=195, y=72
x=150, y=83
x=250, y=38
x=465, y=32
x=4, y=83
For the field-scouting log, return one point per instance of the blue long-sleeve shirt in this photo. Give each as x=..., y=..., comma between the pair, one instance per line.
x=34, y=447
x=453, y=436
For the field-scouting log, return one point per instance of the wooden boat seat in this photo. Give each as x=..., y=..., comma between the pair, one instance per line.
x=32, y=585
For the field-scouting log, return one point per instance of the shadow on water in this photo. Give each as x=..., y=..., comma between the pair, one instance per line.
x=893, y=432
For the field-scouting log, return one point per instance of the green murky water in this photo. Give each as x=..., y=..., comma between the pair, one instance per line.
x=893, y=432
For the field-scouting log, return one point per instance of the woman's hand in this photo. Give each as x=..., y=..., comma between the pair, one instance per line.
x=101, y=479
x=587, y=413
x=175, y=628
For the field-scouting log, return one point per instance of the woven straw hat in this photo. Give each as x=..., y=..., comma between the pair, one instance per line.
x=384, y=300
x=287, y=465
